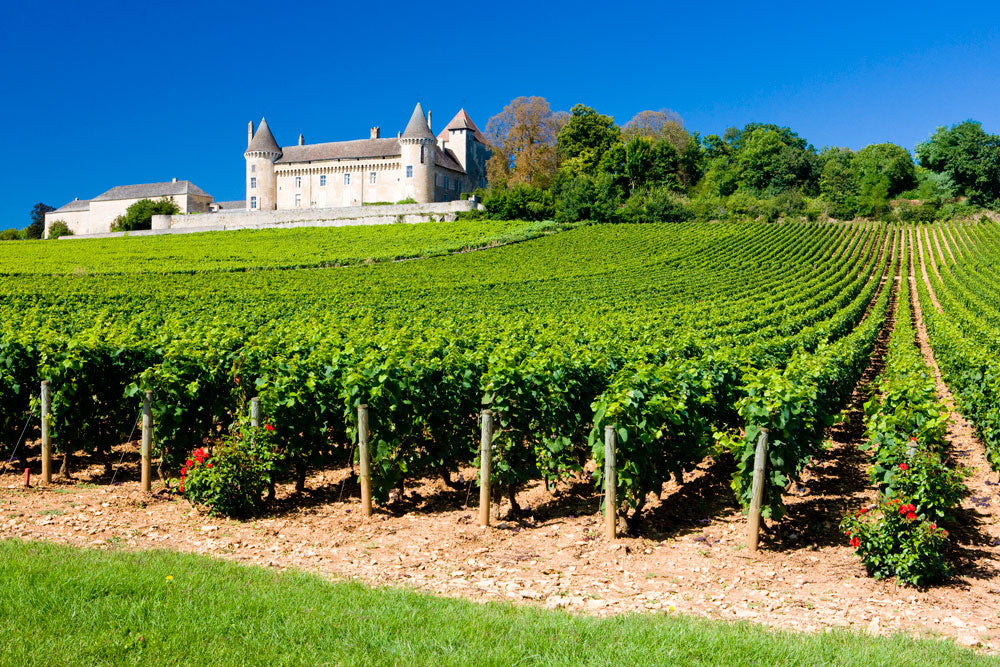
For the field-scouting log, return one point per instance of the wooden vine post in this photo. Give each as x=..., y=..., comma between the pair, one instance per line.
x=610, y=484
x=757, y=490
x=147, y=441
x=46, y=436
x=364, y=455
x=255, y=412
x=485, y=467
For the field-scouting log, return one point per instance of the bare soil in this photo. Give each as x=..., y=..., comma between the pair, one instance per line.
x=689, y=559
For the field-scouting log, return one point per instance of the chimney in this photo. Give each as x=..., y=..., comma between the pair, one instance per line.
x=249, y=133
x=376, y=132
x=429, y=120
x=302, y=140
x=174, y=180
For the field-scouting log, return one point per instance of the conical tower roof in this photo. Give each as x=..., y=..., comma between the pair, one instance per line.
x=417, y=128
x=263, y=141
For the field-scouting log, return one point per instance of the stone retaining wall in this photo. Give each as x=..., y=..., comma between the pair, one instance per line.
x=315, y=217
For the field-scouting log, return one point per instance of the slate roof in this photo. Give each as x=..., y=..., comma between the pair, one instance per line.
x=417, y=128
x=149, y=190
x=75, y=205
x=230, y=205
x=462, y=121
x=340, y=150
x=446, y=159
x=263, y=141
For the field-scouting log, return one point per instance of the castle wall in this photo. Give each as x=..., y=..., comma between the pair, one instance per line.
x=329, y=217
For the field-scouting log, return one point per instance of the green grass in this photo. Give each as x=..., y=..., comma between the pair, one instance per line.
x=60, y=605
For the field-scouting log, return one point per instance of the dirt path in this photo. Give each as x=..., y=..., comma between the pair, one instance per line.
x=690, y=559
x=978, y=537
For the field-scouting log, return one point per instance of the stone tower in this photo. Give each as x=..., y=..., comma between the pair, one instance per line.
x=262, y=151
x=417, y=147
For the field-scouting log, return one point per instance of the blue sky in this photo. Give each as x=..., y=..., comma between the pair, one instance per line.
x=100, y=94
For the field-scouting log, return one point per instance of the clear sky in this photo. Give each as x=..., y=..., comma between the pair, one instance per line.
x=99, y=94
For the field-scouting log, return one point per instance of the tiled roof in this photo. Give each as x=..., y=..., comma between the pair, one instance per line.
x=75, y=205
x=447, y=160
x=417, y=128
x=341, y=150
x=461, y=121
x=263, y=141
x=148, y=190
x=230, y=205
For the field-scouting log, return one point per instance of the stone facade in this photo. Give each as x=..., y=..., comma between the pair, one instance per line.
x=225, y=220
x=413, y=165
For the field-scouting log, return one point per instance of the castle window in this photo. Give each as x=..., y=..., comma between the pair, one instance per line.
x=298, y=181
x=298, y=200
x=371, y=178
x=322, y=179
x=347, y=178
x=409, y=171
x=253, y=168
x=253, y=202
x=253, y=181
x=421, y=153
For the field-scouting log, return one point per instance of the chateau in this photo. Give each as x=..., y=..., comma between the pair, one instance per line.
x=329, y=178
x=414, y=165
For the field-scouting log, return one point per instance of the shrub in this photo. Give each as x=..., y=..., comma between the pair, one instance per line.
x=10, y=235
x=521, y=202
x=140, y=214
x=59, y=228
x=659, y=204
x=232, y=479
x=894, y=541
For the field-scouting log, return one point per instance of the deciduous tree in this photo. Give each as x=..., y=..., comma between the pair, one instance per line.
x=969, y=156
x=36, y=229
x=585, y=138
x=523, y=137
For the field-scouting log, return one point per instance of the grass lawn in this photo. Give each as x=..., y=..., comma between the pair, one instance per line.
x=66, y=606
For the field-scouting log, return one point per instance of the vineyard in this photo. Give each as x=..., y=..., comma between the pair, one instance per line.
x=657, y=330
x=708, y=352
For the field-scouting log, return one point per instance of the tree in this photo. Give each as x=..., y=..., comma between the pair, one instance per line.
x=885, y=166
x=36, y=229
x=585, y=137
x=523, y=137
x=770, y=160
x=11, y=235
x=662, y=124
x=140, y=214
x=838, y=182
x=969, y=156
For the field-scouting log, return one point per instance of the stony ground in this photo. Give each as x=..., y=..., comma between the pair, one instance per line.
x=690, y=558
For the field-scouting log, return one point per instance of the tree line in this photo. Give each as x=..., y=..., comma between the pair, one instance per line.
x=580, y=165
